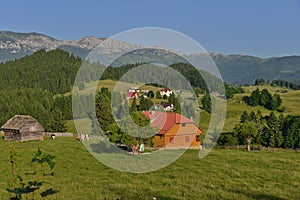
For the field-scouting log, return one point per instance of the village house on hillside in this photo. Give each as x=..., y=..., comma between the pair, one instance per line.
x=131, y=95
x=166, y=91
x=132, y=92
x=164, y=106
x=175, y=131
x=134, y=89
x=23, y=128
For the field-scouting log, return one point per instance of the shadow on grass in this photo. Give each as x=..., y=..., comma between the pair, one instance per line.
x=102, y=147
x=139, y=196
x=257, y=195
x=49, y=192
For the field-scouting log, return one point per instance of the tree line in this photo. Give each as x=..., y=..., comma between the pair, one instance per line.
x=263, y=98
x=268, y=131
x=35, y=102
x=280, y=83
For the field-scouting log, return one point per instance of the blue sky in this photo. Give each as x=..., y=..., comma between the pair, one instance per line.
x=262, y=28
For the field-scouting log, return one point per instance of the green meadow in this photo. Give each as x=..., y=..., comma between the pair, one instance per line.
x=223, y=174
x=235, y=106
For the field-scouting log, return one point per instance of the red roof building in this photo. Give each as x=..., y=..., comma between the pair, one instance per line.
x=174, y=130
x=131, y=95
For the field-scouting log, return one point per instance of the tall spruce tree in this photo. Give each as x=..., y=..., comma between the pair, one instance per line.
x=133, y=106
x=206, y=103
x=244, y=117
x=103, y=109
x=57, y=123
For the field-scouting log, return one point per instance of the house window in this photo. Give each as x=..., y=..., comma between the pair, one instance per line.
x=197, y=138
x=183, y=124
x=171, y=140
x=187, y=139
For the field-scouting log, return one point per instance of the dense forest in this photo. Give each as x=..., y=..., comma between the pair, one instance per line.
x=53, y=71
x=36, y=84
x=268, y=131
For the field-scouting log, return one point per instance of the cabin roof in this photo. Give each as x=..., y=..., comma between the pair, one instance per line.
x=165, y=89
x=18, y=121
x=166, y=120
x=131, y=94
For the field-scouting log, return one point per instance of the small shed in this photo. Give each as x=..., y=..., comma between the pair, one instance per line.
x=22, y=128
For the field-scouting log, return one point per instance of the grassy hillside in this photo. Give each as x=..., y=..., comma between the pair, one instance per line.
x=223, y=174
x=235, y=106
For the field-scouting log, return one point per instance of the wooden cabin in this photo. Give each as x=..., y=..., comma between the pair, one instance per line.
x=174, y=130
x=22, y=128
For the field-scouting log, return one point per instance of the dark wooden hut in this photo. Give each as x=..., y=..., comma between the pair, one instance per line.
x=22, y=128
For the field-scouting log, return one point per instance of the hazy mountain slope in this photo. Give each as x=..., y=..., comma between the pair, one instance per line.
x=235, y=69
x=277, y=68
x=16, y=45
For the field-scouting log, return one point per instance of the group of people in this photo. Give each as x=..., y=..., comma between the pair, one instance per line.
x=136, y=149
x=83, y=137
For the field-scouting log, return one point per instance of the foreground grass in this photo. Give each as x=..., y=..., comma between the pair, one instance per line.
x=223, y=174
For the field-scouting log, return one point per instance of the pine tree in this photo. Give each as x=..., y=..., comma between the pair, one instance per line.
x=244, y=117
x=158, y=95
x=143, y=103
x=265, y=97
x=133, y=106
x=254, y=98
x=252, y=116
x=57, y=124
x=173, y=100
x=206, y=103
x=103, y=110
x=275, y=138
x=276, y=102
x=150, y=94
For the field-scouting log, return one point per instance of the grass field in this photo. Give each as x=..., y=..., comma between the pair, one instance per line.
x=223, y=174
x=235, y=106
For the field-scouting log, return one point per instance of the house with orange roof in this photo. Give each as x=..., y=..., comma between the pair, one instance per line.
x=174, y=130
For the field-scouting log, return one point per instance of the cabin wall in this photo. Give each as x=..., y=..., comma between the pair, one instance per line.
x=32, y=136
x=181, y=141
x=12, y=135
x=159, y=141
x=182, y=136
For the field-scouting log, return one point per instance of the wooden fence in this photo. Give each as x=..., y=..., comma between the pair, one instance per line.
x=66, y=134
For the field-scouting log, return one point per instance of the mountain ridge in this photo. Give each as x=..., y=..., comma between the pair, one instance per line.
x=236, y=69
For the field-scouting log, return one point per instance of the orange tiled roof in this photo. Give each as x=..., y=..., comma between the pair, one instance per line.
x=166, y=120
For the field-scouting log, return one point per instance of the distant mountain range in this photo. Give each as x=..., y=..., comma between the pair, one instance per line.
x=235, y=69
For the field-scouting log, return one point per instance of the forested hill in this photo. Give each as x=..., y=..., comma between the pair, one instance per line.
x=53, y=71
x=29, y=84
